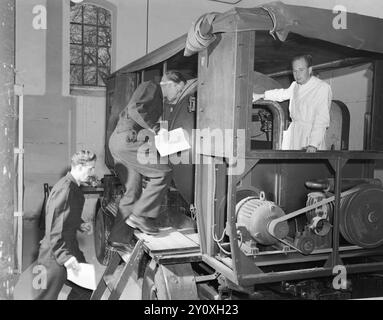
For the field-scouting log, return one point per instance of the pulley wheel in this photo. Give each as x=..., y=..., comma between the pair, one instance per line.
x=152, y=289
x=306, y=245
x=169, y=282
x=361, y=218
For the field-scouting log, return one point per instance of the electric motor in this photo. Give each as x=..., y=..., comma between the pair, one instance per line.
x=255, y=214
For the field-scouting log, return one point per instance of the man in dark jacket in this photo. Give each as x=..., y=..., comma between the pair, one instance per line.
x=59, y=249
x=139, y=208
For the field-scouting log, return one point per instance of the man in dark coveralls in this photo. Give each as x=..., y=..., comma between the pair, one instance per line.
x=59, y=249
x=139, y=208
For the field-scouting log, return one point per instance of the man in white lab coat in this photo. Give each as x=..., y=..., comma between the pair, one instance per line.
x=310, y=101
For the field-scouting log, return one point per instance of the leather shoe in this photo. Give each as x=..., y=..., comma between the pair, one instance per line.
x=142, y=223
x=121, y=245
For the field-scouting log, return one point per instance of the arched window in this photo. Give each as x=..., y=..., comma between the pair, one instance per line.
x=90, y=44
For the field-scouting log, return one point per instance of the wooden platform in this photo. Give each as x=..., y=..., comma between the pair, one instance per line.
x=170, y=241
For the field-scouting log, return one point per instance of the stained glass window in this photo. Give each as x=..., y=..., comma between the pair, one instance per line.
x=90, y=44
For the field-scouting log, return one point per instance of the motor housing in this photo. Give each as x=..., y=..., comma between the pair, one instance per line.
x=256, y=214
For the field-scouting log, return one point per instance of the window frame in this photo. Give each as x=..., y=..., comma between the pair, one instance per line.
x=99, y=83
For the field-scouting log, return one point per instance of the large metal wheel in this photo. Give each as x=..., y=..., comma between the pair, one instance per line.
x=170, y=282
x=361, y=217
x=102, y=225
x=152, y=288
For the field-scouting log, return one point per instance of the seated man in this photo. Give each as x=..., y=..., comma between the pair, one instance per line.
x=139, y=208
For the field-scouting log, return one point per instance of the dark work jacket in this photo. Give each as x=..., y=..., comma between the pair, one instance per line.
x=143, y=110
x=63, y=219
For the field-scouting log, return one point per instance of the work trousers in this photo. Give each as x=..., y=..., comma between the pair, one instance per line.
x=145, y=203
x=142, y=202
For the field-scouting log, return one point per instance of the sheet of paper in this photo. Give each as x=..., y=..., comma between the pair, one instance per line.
x=85, y=278
x=169, y=142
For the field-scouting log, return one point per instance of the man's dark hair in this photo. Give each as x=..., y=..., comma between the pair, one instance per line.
x=307, y=57
x=82, y=157
x=175, y=76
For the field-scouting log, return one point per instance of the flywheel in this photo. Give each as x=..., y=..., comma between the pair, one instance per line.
x=361, y=217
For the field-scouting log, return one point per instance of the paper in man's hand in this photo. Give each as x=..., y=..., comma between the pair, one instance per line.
x=169, y=142
x=85, y=278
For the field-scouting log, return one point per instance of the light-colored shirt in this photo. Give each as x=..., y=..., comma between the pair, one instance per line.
x=309, y=111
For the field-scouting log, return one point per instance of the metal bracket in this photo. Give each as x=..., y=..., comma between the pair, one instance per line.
x=250, y=164
x=192, y=104
x=207, y=278
x=333, y=261
x=18, y=89
x=18, y=150
x=18, y=214
x=334, y=163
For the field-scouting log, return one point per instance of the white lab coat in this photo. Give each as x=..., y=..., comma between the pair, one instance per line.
x=309, y=110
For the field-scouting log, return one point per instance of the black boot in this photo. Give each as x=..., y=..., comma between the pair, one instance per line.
x=142, y=223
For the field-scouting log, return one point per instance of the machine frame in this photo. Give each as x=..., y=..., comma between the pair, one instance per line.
x=226, y=77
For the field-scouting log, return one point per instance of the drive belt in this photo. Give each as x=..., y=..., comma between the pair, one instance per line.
x=273, y=225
